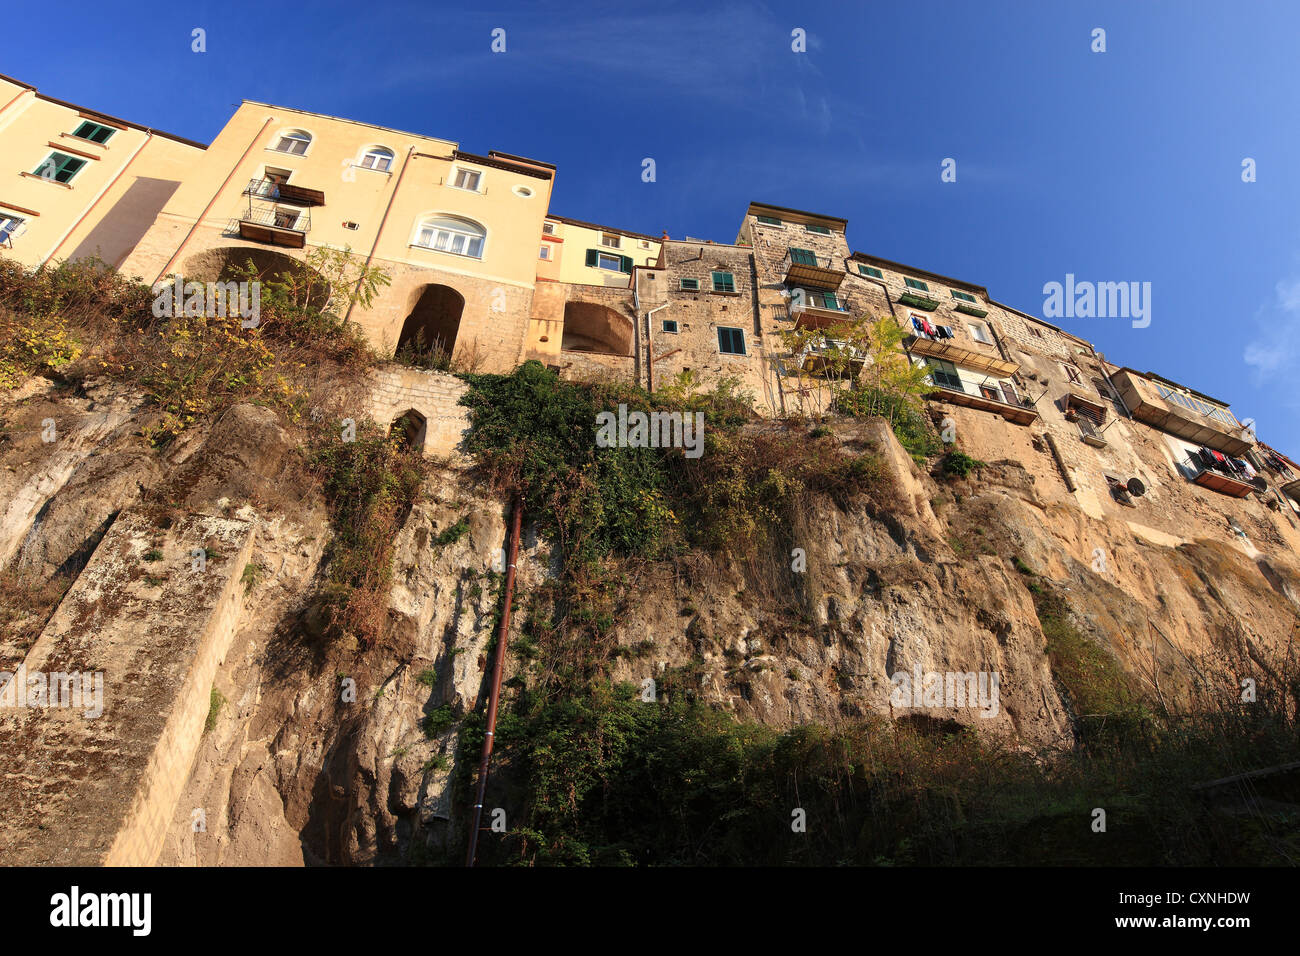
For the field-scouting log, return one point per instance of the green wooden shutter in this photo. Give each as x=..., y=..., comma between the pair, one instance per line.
x=592, y=256
x=625, y=264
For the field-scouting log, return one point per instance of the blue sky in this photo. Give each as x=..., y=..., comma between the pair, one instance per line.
x=1115, y=166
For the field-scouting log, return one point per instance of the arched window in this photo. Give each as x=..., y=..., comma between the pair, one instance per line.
x=379, y=158
x=448, y=234
x=294, y=142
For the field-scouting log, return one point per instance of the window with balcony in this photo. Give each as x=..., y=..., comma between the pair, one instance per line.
x=804, y=257
x=944, y=373
x=724, y=282
x=294, y=142
x=461, y=237
x=377, y=158
x=94, y=132
x=731, y=341
x=60, y=167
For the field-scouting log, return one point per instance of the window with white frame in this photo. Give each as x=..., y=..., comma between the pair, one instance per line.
x=377, y=158
x=10, y=228
x=544, y=253
x=294, y=142
x=548, y=228
x=978, y=333
x=610, y=240
x=467, y=179
x=462, y=237
x=612, y=263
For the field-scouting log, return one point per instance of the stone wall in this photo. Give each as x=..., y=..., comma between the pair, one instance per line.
x=397, y=389
x=88, y=791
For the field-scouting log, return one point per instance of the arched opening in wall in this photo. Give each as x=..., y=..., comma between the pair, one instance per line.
x=304, y=285
x=428, y=336
x=589, y=327
x=409, y=428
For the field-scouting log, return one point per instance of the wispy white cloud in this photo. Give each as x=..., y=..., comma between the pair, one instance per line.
x=1276, y=345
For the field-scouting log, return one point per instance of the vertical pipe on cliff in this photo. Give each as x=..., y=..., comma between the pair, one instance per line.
x=512, y=551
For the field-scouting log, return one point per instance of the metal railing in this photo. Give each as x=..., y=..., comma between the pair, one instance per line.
x=291, y=218
x=805, y=257
x=802, y=299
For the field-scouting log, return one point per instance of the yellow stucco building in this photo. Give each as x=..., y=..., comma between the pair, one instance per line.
x=78, y=183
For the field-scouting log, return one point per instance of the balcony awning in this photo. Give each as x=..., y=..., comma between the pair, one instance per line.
x=300, y=195
x=1216, y=481
x=966, y=358
x=274, y=235
x=1075, y=400
x=1017, y=414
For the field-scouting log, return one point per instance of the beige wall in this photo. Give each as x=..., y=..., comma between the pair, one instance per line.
x=107, y=207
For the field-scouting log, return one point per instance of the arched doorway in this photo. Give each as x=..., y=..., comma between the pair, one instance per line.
x=409, y=428
x=305, y=286
x=589, y=327
x=428, y=336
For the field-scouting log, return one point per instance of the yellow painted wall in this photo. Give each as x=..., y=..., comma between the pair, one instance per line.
x=576, y=239
x=107, y=206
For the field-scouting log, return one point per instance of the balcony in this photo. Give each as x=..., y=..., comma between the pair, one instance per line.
x=284, y=192
x=918, y=300
x=959, y=355
x=816, y=358
x=950, y=390
x=1185, y=416
x=274, y=224
x=970, y=309
x=817, y=310
x=1220, y=479
x=804, y=267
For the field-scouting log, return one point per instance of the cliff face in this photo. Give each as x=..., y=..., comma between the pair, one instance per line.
x=325, y=751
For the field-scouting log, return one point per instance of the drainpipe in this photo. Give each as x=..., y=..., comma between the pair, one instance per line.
x=211, y=202
x=502, y=631
x=1101, y=363
x=95, y=202
x=378, y=232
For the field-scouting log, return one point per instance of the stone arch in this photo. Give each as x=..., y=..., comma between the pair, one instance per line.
x=227, y=263
x=590, y=327
x=432, y=324
x=411, y=427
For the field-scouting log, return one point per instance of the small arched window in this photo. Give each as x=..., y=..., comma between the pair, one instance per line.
x=379, y=158
x=293, y=142
x=449, y=234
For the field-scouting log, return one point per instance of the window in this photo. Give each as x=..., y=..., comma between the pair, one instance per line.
x=548, y=228
x=286, y=218
x=378, y=158
x=610, y=240
x=669, y=325
x=724, y=282
x=10, y=228
x=277, y=177
x=731, y=341
x=1217, y=412
x=944, y=373
x=978, y=334
x=820, y=230
x=523, y=192
x=613, y=263
x=769, y=220
x=964, y=296
x=916, y=284
x=1036, y=332
x=94, y=132
x=458, y=236
x=804, y=257
x=870, y=271
x=60, y=167
x=644, y=243
x=1073, y=374
x=545, y=253
x=466, y=179
x=294, y=142
x=690, y=285
x=1009, y=391
x=988, y=391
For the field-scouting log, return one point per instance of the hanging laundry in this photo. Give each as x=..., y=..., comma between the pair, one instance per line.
x=929, y=329
x=945, y=332
x=1250, y=471
x=916, y=324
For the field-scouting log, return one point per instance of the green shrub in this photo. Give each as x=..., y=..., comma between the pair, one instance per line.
x=958, y=464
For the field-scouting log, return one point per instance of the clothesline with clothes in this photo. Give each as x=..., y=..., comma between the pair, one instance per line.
x=1218, y=461
x=931, y=331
